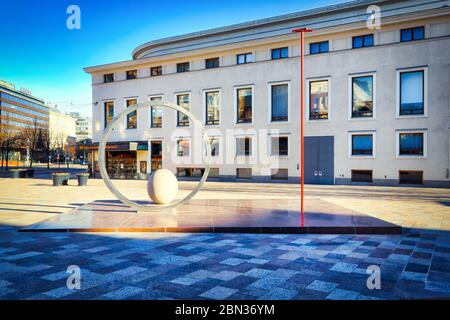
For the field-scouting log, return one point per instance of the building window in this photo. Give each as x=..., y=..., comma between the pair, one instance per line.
x=411, y=34
x=183, y=147
x=182, y=67
x=280, y=102
x=156, y=114
x=108, y=112
x=280, y=53
x=244, y=105
x=362, y=145
x=156, y=71
x=362, y=176
x=131, y=74
x=279, y=146
x=243, y=146
x=318, y=100
x=411, y=144
x=191, y=172
x=214, y=143
x=244, y=173
x=109, y=77
x=362, y=97
x=410, y=177
x=318, y=47
x=412, y=93
x=363, y=41
x=212, y=99
x=132, y=116
x=212, y=63
x=244, y=58
x=279, y=174
x=143, y=166
x=183, y=101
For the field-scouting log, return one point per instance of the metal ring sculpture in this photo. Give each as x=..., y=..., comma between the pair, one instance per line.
x=104, y=139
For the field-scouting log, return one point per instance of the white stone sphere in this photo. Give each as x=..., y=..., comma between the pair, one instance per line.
x=162, y=186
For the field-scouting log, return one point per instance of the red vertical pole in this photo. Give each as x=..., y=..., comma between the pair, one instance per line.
x=302, y=126
x=302, y=122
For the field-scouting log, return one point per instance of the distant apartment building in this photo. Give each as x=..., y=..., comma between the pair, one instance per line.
x=19, y=109
x=377, y=99
x=83, y=126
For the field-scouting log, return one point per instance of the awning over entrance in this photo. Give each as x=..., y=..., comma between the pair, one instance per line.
x=119, y=146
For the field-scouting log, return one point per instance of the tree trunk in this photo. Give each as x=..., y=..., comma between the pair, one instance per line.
x=7, y=158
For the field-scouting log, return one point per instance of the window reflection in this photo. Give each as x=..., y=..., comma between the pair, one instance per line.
x=362, y=97
x=318, y=100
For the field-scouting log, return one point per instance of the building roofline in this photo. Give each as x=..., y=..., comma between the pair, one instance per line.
x=287, y=20
x=23, y=95
x=254, y=23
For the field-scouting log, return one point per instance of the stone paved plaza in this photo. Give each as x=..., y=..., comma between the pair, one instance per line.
x=225, y=266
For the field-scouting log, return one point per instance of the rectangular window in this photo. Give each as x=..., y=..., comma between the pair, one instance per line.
x=212, y=63
x=362, y=145
x=318, y=47
x=143, y=166
x=244, y=58
x=109, y=77
x=131, y=74
x=191, y=172
x=244, y=146
x=363, y=41
x=411, y=144
x=183, y=147
x=318, y=100
x=244, y=173
x=213, y=173
x=183, y=101
x=279, y=174
x=412, y=93
x=410, y=177
x=280, y=53
x=132, y=116
x=362, y=176
x=244, y=105
x=280, y=103
x=212, y=99
x=411, y=34
x=156, y=71
x=362, y=97
x=156, y=114
x=279, y=146
x=214, y=143
x=182, y=67
x=108, y=112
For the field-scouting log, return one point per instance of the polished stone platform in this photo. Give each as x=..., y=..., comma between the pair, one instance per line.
x=221, y=215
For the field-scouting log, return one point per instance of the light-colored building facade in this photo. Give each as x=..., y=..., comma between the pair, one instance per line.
x=83, y=126
x=377, y=99
x=61, y=127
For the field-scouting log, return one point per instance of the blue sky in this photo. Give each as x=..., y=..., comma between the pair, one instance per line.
x=40, y=53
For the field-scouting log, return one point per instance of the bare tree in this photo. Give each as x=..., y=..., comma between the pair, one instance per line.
x=30, y=137
x=8, y=139
x=59, y=146
x=48, y=143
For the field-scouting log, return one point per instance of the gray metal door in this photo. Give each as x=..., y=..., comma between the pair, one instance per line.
x=319, y=160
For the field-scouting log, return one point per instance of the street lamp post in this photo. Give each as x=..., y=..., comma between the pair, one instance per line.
x=302, y=120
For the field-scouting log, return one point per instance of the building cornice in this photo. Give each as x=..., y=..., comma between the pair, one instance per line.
x=253, y=24
x=259, y=31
